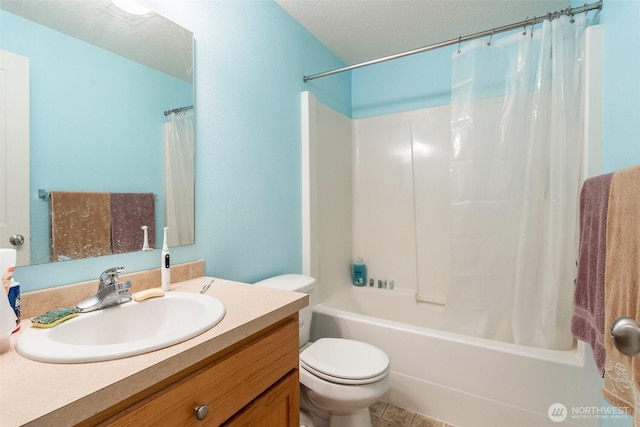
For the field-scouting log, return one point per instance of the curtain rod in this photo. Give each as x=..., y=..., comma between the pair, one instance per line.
x=178, y=110
x=522, y=24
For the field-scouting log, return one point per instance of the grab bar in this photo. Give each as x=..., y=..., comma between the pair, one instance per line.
x=625, y=334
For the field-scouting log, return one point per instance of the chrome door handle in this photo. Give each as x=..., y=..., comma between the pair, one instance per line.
x=16, y=240
x=625, y=333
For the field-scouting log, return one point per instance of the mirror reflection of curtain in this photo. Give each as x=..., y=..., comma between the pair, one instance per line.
x=517, y=119
x=179, y=177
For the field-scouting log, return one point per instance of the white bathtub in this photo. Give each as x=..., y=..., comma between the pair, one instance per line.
x=465, y=381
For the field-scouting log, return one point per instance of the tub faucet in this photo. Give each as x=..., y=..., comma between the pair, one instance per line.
x=110, y=292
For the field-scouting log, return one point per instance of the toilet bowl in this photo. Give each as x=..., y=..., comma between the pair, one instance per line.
x=340, y=378
x=343, y=377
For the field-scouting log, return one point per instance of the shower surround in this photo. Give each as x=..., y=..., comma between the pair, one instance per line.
x=370, y=213
x=376, y=188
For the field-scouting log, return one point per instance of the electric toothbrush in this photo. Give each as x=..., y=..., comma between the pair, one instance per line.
x=165, y=266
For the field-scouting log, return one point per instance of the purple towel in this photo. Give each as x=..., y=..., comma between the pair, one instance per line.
x=129, y=212
x=587, y=323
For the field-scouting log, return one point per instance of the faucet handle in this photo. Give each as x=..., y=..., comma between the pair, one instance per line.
x=110, y=276
x=122, y=286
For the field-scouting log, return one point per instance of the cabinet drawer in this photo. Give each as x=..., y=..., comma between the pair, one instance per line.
x=225, y=386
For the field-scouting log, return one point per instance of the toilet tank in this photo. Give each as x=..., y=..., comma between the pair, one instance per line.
x=295, y=283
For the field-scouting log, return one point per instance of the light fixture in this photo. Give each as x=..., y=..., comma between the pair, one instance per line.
x=132, y=7
x=128, y=11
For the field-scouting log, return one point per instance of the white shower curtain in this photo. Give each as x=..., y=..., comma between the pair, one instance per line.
x=516, y=128
x=179, y=177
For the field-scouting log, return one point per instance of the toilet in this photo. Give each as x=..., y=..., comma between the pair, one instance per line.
x=340, y=378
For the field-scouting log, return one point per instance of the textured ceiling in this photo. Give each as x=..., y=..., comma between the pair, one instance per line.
x=360, y=30
x=151, y=40
x=355, y=30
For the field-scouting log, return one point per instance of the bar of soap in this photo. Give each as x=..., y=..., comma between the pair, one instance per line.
x=148, y=293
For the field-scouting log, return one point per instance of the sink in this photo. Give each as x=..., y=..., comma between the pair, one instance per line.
x=123, y=330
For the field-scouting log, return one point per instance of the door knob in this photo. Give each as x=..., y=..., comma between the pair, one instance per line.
x=16, y=240
x=625, y=333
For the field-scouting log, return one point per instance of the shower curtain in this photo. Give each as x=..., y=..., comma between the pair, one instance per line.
x=179, y=177
x=516, y=129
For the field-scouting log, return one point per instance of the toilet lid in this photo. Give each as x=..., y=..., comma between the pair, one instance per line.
x=345, y=361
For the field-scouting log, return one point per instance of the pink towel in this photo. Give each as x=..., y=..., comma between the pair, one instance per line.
x=129, y=212
x=587, y=323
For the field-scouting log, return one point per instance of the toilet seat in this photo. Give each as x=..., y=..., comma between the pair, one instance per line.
x=344, y=361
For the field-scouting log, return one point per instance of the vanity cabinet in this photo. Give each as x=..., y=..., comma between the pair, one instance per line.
x=254, y=382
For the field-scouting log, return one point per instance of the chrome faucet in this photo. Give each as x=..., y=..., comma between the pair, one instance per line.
x=110, y=292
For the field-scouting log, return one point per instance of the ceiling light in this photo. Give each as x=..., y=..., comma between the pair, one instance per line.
x=132, y=7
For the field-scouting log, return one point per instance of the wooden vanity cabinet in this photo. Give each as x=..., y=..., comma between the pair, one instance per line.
x=254, y=383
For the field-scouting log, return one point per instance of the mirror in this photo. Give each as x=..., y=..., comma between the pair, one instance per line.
x=100, y=82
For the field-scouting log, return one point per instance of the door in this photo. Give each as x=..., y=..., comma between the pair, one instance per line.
x=14, y=154
x=279, y=406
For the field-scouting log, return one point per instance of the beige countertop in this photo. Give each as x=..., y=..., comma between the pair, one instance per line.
x=36, y=393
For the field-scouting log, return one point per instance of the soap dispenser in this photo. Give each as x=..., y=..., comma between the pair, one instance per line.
x=359, y=272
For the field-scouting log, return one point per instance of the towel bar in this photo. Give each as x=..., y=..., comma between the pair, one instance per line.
x=44, y=194
x=625, y=334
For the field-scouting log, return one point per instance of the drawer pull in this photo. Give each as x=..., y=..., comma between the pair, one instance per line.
x=201, y=412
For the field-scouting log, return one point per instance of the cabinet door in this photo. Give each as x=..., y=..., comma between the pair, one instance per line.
x=227, y=386
x=279, y=406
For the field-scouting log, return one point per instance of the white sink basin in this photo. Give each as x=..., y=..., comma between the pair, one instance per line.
x=123, y=330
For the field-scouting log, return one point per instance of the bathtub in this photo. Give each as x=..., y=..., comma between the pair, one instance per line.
x=462, y=380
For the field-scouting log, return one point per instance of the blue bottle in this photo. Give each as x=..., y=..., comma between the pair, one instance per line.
x=359, y=273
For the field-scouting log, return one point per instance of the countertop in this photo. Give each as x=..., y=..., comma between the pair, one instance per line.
x=36, y=393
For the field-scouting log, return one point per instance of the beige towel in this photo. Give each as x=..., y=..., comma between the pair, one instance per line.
x=80, y=224
x=622, y=282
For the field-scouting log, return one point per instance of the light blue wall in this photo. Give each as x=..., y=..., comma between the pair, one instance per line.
x=410, y=83
x=250, y=59
x=621, y=86
x=251, y=56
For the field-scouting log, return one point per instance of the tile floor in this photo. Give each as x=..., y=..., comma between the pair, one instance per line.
x=384, y=414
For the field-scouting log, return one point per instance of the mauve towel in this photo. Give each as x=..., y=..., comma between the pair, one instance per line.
x=129, y=212
x=587, y=323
